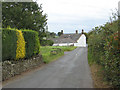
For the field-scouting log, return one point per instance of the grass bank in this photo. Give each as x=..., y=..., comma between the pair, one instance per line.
x=48, y=57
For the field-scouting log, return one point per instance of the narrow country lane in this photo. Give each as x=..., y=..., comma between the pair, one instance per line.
x=70, y=71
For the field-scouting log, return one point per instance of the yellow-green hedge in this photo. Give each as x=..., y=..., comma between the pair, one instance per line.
x=18, y=44
x=20, y=51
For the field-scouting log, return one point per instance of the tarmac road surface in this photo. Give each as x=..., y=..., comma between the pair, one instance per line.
x=70, y=71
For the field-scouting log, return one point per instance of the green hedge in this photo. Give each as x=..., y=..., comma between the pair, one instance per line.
x=32, y=43
x=104, y=50
x=9, y=43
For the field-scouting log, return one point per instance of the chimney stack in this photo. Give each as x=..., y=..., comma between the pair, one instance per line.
x=82, y=31
x=76, y=31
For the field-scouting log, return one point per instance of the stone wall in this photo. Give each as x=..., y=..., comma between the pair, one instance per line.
x=12, y=68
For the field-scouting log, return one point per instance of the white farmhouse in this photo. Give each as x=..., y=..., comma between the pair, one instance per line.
x=75, y=39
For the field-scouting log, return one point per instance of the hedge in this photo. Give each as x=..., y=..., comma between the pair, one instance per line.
x=32, y=43
x=20, y=51
x=103, y=47
x=17, y=44
x=9, y=44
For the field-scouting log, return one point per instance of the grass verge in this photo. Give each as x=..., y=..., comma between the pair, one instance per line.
x=46, y=52
x=98, y=77
x=97, y=74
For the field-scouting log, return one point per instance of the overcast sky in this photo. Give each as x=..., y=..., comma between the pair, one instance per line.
x=71, y=15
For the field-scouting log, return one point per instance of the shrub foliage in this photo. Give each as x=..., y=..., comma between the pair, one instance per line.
x=9, y=44
x=20, y=51
x=46, y=42
x=103, y=47
x=32, y=43
x=17, y=44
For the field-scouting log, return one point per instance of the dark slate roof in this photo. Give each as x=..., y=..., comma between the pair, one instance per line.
x=67, y=38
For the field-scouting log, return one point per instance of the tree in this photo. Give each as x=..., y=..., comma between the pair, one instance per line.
x=23, y=15
x=60, y=33
x=52, y=34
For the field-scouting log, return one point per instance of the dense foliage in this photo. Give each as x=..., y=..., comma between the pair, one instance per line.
x=20, y=51
x=32, y=43
x=9, y=44
x=17, y=44
x=23, y=15
x=60, y=33
x=103, y=48
x=47, y=42
x=44, y=38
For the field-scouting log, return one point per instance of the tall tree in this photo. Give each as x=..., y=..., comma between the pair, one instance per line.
x=23, y=15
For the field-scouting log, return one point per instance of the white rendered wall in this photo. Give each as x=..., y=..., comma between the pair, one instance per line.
x=63, y=44
x=81, y=41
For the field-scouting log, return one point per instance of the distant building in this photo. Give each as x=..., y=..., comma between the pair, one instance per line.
x=74, y=39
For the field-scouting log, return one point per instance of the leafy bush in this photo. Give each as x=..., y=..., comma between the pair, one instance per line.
x=50, y=42
x=20, y=51
x=9, y=44
x=46, y=42
x=103, y=49
x=32, y=43
x=18, y=44
x=112, y=59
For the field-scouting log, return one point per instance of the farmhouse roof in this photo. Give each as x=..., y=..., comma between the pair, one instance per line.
x=67, y=38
